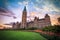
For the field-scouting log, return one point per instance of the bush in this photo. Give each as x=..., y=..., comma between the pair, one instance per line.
x=55, y=28
x=49, y=37
x=32, y=28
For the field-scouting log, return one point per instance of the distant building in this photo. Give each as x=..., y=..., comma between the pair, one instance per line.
x=38, y=23
x=16, y=25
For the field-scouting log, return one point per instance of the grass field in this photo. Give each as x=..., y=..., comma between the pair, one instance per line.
x=20, y=35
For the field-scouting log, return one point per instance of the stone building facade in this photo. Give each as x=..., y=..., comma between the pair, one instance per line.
x=38, y=23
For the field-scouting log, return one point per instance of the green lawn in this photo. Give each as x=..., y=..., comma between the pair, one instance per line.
x=20, y=35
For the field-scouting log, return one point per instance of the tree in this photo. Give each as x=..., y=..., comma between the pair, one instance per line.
x=55, y=28
x=59, y=19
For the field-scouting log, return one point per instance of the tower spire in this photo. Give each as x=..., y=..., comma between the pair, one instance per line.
x=24, y=18
x=24, y=8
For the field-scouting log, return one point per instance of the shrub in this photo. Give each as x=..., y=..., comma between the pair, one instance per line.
x=55, y=28
x=32, y=28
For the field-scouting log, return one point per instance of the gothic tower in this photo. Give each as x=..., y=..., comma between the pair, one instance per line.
x=36, y=22
x=24, y=18
x=47, y=17
x=47, y=20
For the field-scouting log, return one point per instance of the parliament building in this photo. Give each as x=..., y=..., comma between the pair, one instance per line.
x=38, y=23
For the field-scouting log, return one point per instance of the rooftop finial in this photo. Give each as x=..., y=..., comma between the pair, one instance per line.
x=24, y=8
x=46, y=15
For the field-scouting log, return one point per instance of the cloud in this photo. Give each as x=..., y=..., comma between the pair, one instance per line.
x=54, y=4
x=54, y=18
x=8, y=13
x=43, y=10
x=39, y=1
x=33, y=14
x=19, y=3
x=3, y=10
x=23, y=3
x=34, y=7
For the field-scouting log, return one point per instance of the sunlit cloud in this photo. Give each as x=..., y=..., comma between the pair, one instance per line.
x=32, y=14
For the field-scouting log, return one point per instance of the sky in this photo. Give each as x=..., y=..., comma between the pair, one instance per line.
x=11, y=10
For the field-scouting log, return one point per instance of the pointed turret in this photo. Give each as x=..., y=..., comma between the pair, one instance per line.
x=47, y=15
x=24, y=8
x=47, y=20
